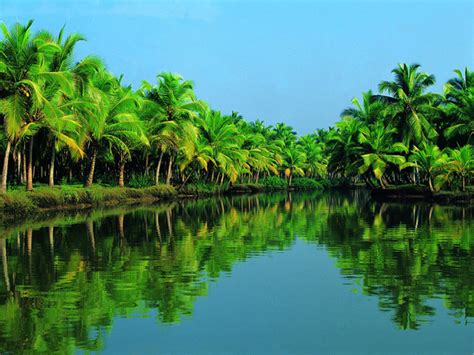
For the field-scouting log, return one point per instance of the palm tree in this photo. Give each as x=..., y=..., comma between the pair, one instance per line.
x=316, y=164
x=462, y=163
x=19, y=58
x=113, y=123
x=174, y=108
x=342, y=146
x=410, y=109
x=62, y=130
x=294, y=161
x=459, y=93
x=432, y=161
x=378, y=150
x=369, y=111
x=222, y=136
x=284, y=133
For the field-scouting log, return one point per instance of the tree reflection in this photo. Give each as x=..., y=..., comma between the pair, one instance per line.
x=65, y=280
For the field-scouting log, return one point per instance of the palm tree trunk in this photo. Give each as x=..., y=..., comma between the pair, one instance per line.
x=18, y=167
x=3, y=188
x=158, y=167
x=170, y=171
x=51, y=166
x=23, y=177
x=147, y=164
x=29, y=172
x=121, y=181
x=90, y=177
x=430, y=184
x=463, y=183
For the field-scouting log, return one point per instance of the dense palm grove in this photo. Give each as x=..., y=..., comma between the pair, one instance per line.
x=69, y=122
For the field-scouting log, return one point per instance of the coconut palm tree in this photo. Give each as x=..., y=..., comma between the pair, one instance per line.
x=379, y=151
x=293, y=162
x=462, y=163
x=222, y=136
x=113, y=123
x=459, y=94
x=19, y=67
x=369, y=111
x=433, y=162
x=410, y=109
x=342, y=146
x=316, y=164
x=174, y=102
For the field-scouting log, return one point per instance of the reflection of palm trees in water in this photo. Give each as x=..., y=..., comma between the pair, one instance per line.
x=404, y=255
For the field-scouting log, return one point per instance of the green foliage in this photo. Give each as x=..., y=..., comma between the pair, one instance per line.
x=140, y=180
x=274, y=182
x=202, y=188
x=302, y=183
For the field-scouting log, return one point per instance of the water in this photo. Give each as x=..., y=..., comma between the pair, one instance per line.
x=301, y=273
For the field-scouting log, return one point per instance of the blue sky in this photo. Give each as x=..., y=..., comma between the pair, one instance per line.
x=300, y=62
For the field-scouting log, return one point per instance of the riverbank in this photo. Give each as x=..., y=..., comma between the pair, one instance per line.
x=44, y=198
x=413, y=193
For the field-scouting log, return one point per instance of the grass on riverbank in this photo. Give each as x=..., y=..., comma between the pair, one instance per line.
x=23, y=202
x=20, y=202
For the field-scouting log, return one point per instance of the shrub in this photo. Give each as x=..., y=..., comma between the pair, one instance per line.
x=140, y=181
x=274, y=182
x=303, y=183
x=162, y=191
x=203, y=188
x=17, y=202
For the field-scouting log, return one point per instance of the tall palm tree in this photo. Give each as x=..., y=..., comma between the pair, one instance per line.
x=410, y=108
x=62, y=130
x=19, y=64
x=342, y=146
x=316, y=164
x=113, y=123
x=369, y=111
x=222, y=136
x=294, y=161
x=459, y=93
x=175, y=108
x=378, y=150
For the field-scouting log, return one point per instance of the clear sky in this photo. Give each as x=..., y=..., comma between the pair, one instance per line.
x=300, y=62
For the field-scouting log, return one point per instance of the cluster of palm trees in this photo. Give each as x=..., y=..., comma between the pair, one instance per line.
x=74, y=121
x=406, y=134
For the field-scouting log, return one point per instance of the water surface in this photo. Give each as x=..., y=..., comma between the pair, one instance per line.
x=300, y=273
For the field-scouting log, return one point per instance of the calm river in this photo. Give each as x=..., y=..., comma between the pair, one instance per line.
x=278, y=274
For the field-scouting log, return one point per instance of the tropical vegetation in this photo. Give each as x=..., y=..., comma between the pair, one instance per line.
x=72, y=121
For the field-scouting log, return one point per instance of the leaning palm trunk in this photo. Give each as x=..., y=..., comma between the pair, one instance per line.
x=3, y=188
x=29, y=172
x=121, y=180
x=170, y=171
x=51, y=167
x=430, y=184
x=90, y=177
x=158, y=168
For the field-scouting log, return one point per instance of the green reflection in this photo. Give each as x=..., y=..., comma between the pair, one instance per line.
x=65, y=279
